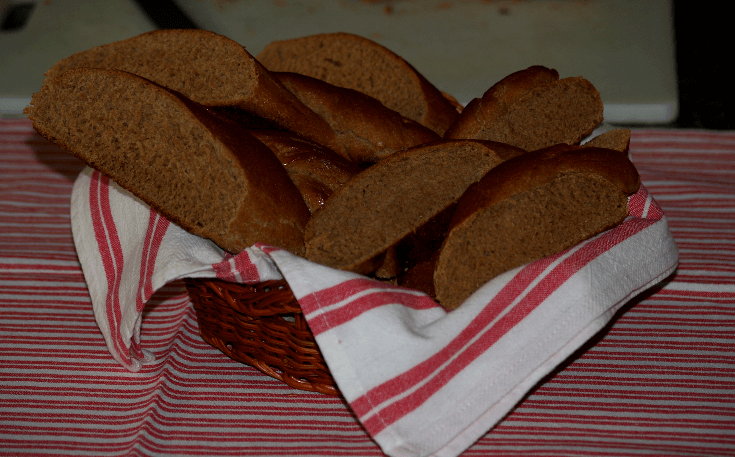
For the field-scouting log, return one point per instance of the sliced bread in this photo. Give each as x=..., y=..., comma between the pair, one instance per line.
x=208, y=175
x=532, y=109
x=394, y=198
x=530, y=207
x=354, y=62
x=368, y=130
x=209, y=69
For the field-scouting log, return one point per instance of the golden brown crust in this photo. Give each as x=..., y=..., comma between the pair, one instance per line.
x=355, y=62
x=207, y=175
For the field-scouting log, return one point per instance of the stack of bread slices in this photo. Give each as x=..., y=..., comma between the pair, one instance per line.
x=337, y=149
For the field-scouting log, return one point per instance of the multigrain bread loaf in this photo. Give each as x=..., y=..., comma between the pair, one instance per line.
x=316, y=170
x=209, y=69
x=354, y=62
x=210, y=176
x=530, y=207
x=394, y=198
x=368, y=130
x=532, y=109
x=616, y=139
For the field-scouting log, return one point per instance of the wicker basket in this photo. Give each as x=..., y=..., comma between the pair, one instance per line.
x=261, y=325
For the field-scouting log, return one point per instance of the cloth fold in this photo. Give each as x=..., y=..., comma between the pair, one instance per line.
x=421, y=380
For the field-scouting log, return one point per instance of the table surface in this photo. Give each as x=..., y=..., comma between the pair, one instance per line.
x=659, y=381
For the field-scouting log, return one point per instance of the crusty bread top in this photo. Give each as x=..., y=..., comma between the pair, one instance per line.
x=209, y=69
x=497, y=99
x=394, y=198
x=532, y=109
x=208, y=175
x=369, y=130
x=354, y=62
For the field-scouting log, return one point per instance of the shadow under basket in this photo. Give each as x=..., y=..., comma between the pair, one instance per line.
x=261, y=325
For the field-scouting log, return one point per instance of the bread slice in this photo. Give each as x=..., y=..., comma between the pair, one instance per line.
x=616, y=139
x=394, y=198
x=368, y=130
x=209, y=176
x=354, y=62
x=489, y=109
x=316, y=170
x=530, y=207
x=419, y=274
x=209, y=69
x=532, y=109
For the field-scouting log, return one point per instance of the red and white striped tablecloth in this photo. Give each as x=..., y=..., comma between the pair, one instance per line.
x=659, y=381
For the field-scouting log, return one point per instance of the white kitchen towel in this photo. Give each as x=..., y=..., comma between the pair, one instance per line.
x=421, y=380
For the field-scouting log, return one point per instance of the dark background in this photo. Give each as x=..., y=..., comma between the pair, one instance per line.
x=703, y=54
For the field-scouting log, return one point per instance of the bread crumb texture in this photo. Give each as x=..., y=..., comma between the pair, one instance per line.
x=157, y=145
x=354, y=62
x=208, y=68
x=523, y=228
x=392, y=199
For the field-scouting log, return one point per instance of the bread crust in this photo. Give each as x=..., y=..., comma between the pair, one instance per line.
x=368, y=130
x=174, y=155
x=355, y=62
x=532, y=109
x=496, y=101
x=492, y=206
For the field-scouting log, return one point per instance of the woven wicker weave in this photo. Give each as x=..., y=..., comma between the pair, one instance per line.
x=261, y=325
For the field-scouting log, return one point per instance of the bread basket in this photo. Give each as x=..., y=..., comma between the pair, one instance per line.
x=261, y=325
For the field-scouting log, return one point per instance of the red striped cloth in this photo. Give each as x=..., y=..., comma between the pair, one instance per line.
x=658, y=379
